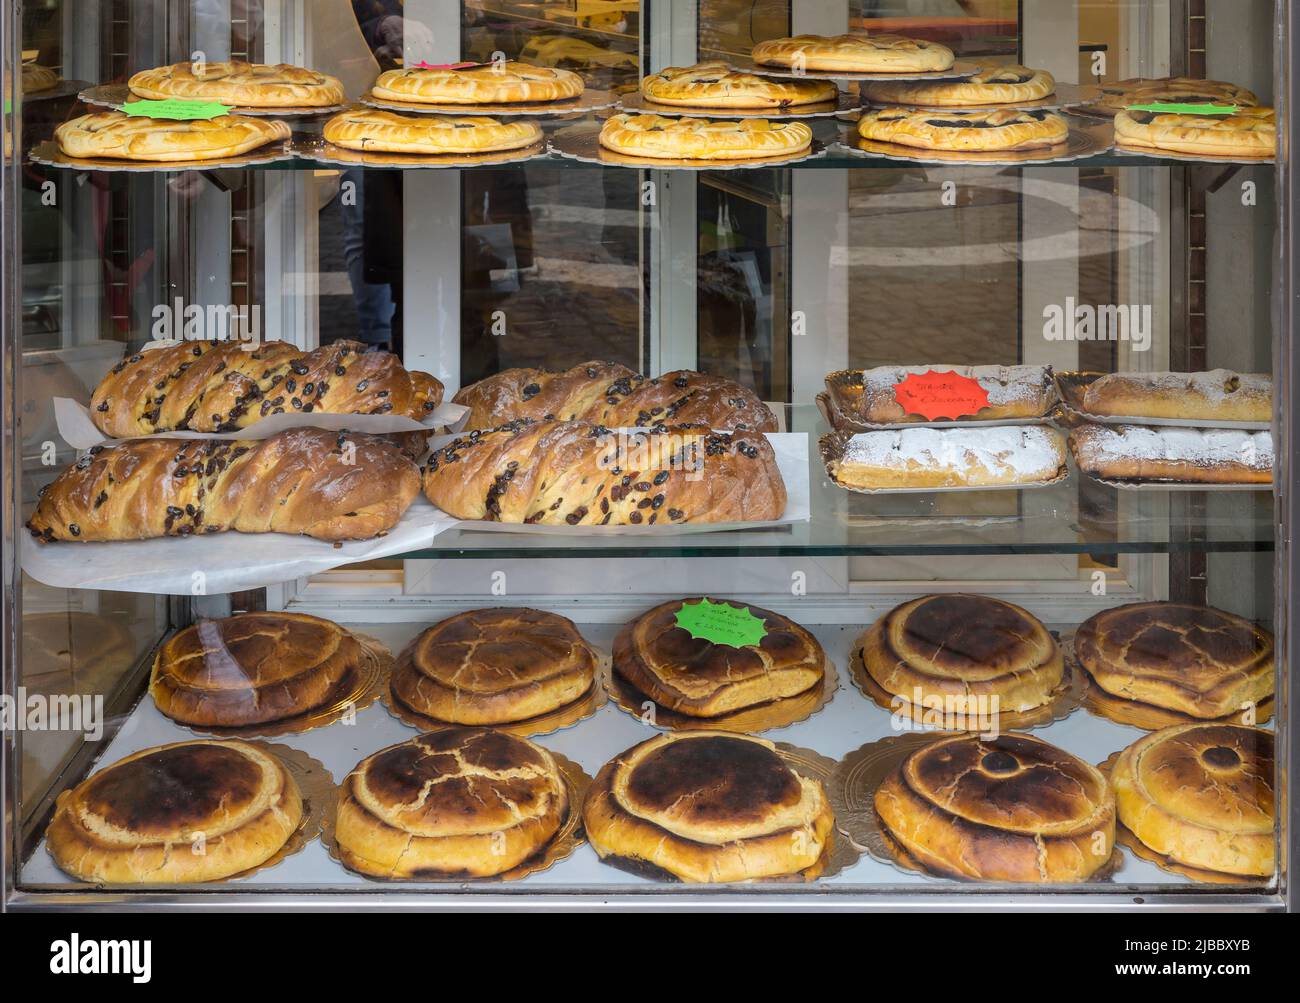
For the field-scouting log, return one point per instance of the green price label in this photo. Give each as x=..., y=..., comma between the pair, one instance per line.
x=181, y=110
x=721, y=623
x=1163, y=108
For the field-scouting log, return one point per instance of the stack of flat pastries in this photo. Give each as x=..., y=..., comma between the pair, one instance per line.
x=455, y=803
x=717, y=85
x=253, y=669
x=141, y=819
x=478, y=84
x=707, y=806
x=240, y=84
x=860, y=398
x=116, y=135
x=703, y=679
x=992, y=85
x=970, y=653
x=854, y=53
x=371, y=130
x=612, y=395
x=1153, y=664
x=661, y=138
x=1201, y=796
x=1013, y=808
x=494, y=667
x=1005, y=130
x=1117, y=96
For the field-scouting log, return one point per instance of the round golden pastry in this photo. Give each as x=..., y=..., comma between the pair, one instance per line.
x=241, y=84
x=1182, y=90
x=1008, y=84
x=1008, y=809
x=1202, y=796
x=703, y=139
x=186, y=812
x=701, y=678
x=130, y=137
x=854, y=53
x=964, y=651
x=373, y=130
x=494, y=666
x=38, y=78
x=708, y=806
x=253, y=668
x=1249, y=132
x=1006, y=129
x=717, y=85
x=1195, y=660
x=455, y=803
x=479, y=83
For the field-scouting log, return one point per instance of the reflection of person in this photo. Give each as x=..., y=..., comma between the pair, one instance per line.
x=374, y=301
x=388, y=32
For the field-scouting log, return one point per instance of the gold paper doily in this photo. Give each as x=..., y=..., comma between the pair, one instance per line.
x=566, y=839
x=860, y=774
x=748, y=721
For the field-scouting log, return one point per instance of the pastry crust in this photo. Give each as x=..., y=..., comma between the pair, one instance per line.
x=946, y=457
x=1014, y=392
x=1250, y=132
x=455, y=803
x=717, y=85
x=494, y=666
x=131, y=137
x=965, y=131
x=244, y=85
x=1182, y=90
x=1217, y=395
x=663, y=138
x=578, y=474
x=1196, y=660
x=708, y=806
x=1007, y=84
x=1008, y=809
x=1201, y=795
x=612, y=395
x=697, y=677
x=370, y=129
x=483, y=83
x=218, y=386
x=145, y=817
x=38, y=78
x=1186, y=455
x=252, y=668
x=854, y=53
x=959, y=648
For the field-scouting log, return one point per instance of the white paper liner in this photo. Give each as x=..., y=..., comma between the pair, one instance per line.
x=78, y=430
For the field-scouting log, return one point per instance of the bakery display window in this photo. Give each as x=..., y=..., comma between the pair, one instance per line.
x=592, y=451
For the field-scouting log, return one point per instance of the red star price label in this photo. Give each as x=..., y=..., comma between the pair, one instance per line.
x=935, y=395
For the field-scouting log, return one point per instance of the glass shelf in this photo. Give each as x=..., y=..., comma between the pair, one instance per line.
x=1078, y=516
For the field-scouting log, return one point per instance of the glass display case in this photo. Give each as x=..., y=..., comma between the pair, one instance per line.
x=972, y=534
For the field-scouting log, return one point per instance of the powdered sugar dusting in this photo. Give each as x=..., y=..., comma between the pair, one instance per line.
x=1034, y=452
x=1004, y=384
x=1201, y=447
x=1216, y=385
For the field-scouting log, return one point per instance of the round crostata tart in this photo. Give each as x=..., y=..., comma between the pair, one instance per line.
x=1006, y=129
x=373, y=130
x=455, y=803
x=494, y=666
x=1249, y=132
x=702, y=678
x=717, y=85
x=1008, y=809
x=479, y=83
x=708, y=806
x=992, y=85
x=128, y=137
x=967, y=652
x=854, y=53
x=703, y=138
x=1196, y=661
x=253, y=668
x=244, y=85
x=1180, y=90
x=191, y=811
x=1201, y=795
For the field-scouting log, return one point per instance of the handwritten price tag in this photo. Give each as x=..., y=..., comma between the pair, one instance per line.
x=940, y=395
x=1169, y=108
x=178, y=110
x=721, y=623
